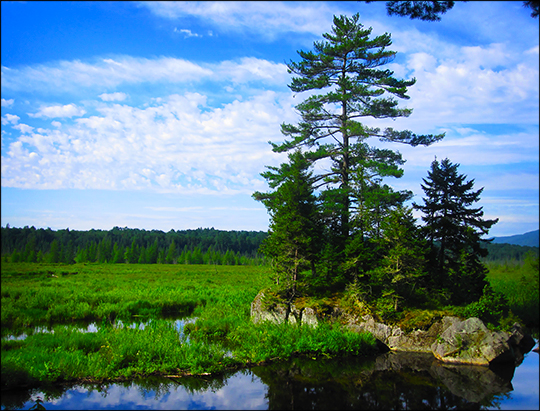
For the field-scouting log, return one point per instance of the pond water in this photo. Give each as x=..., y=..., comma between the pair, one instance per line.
x=92, y=327
x=389, y=381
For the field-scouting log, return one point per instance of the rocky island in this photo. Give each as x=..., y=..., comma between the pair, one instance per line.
x=450, y=339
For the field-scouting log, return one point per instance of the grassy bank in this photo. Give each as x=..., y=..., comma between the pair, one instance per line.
x=222, y=337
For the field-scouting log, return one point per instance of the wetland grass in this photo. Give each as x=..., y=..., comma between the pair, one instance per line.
x=519, y=282
x=221, y=338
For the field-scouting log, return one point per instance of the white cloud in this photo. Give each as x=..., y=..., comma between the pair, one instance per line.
x=108, y=72
x=7, y=103
x=10, y=118
x=113, y=96
x=68, y=110
x=535, y=50
x=178, y=145
x=70, y=76
x=512, y=181
x=23, y=128
x=252, y=69
x=187, y=33
x=482, y=85
x=267, y=19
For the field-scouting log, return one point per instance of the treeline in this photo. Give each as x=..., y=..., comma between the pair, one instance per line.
x=502, y=253
x=133, y=246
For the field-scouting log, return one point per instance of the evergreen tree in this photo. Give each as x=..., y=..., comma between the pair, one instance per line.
x=295, y=233
x=82, y=255
x=142, y=256
x=454, y=229
x=54, y=253
x=197, y=256
x=401, y=270
x=161, y=257
x=431, y=10
x=118, y=254
x=15, y=257
x=92, y=252
x=171, y=254
x=348, y=65
x=152, y=253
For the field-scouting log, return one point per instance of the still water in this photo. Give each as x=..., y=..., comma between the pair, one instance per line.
x=389, y=381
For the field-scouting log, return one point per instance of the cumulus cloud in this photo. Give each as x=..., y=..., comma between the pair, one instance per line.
x=7, y=103
x=10, y=118
x=68, y=110
x=179, y=144
x=470, y=85
x=23, y=128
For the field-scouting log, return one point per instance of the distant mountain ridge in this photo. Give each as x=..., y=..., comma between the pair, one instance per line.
x=531, y=239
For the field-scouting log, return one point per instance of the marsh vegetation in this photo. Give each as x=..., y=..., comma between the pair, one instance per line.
x=220, y=337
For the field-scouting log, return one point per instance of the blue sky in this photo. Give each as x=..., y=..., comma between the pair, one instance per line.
x=157, y=115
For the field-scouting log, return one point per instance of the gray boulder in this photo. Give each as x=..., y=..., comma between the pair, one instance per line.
x=281, y=312
x=393, y=337
x=470, y=342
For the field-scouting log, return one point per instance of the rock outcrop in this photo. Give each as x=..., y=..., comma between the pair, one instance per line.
x=451, y=340
x=470, y=342
x=279, y=313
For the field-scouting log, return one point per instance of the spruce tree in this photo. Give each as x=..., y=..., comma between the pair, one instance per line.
x=454, y=229
x=171, y=253
x=295, y=233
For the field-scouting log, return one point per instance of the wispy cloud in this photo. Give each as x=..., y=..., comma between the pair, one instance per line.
x=186, y=32
x=113, y=96
x=68, y=110
x=69, y=76
x=266, y=19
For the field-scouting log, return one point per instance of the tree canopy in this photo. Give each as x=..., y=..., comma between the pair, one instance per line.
x=335, y=222
x=432, y=10
x=454, y=229
x=348, y=66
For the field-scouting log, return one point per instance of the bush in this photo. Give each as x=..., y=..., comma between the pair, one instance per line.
x=491, y=308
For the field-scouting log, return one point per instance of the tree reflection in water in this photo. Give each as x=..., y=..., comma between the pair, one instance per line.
x=390, y=381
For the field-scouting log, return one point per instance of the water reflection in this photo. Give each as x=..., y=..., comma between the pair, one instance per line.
x=240, y=390
x=92, y=327
x=390, y=381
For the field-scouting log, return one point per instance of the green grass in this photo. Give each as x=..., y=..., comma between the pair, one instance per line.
x=520, y=285
x=222, y=336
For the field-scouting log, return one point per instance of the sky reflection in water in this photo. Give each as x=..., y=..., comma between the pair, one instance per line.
x=348, y=383
x=242, y=391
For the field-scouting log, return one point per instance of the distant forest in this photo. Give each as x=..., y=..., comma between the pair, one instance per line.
x=125, y=245
x=503, y=253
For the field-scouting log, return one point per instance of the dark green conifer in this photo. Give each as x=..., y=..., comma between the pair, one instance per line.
x=454, y=229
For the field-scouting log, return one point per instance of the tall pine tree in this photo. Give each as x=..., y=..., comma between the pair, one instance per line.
x=348, y=65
